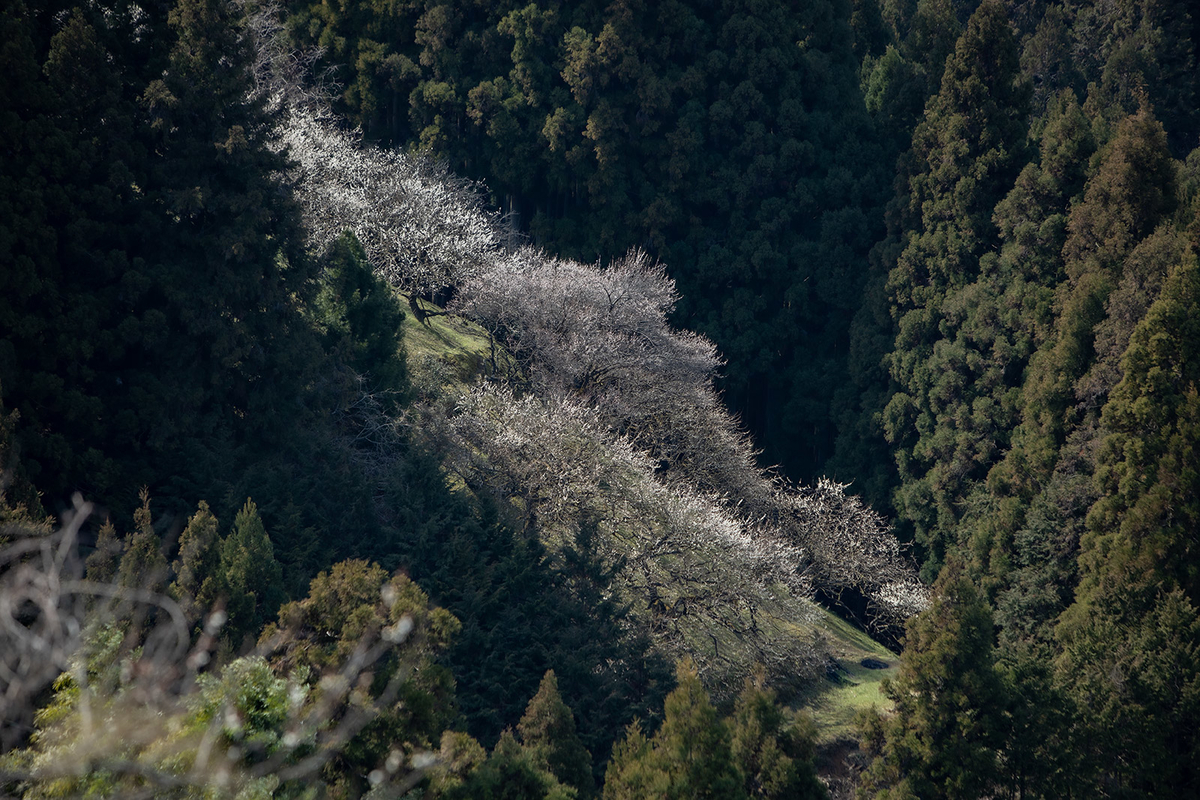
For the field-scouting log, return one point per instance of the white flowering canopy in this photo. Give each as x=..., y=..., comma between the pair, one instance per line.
x=612, y=418
x=423, y=229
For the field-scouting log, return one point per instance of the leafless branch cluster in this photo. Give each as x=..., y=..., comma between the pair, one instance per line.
x=704, y=581
x=40, y=614
x=852, y=547
x=602, y=338
x=423, y=228
x=45, y=601
x=135, y=703
x=284, y=77
x=585, y=330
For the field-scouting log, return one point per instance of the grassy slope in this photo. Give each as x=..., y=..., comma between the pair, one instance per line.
x=446, y=353
x=835, y=703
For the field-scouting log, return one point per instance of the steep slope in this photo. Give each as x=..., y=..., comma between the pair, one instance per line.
x=606, y=424
x=447, y=353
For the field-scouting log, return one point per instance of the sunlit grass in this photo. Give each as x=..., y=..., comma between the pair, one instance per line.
x=838, y=699
x=450, y=352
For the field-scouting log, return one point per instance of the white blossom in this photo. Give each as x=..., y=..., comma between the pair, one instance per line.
x=422, y=229
x=611, y=416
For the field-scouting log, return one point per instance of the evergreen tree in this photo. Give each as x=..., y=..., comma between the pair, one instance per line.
x=251, y=574
x=198, y=584
x=102, y=563
x=510, y=773
x=227, y=269
x=354, y=608
x=1136, y=51
x=18, y=499
x=1109, y=272
x=1139, y=682
x=870, y=32
x=69, y=142
x=689, y=757
x=773, y=754
x=1009, y=315
x=1129, y=193
x=944, y=738
x=633, y=772
x=965, y=155
x=548, y=732
x=926, y=31
x=143, y=566
x=1133, y=188
x=893, y=91
x=362, y=320
x=1047, y=57
x=1134, y=618
x=1063, y=391
x=1043, y=752
x=152, y=330
x=522, y=615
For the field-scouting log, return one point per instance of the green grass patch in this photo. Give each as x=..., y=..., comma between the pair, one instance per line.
x=447, y=354
x=840, y=697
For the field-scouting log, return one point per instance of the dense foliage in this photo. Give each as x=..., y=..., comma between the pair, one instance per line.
x=1034, y=424
x=728, y=139
x=946, y=249
x=1015, y=338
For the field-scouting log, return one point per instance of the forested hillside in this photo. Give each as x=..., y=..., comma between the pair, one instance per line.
x=961, y=234
x=730, y=140
x=386, y=391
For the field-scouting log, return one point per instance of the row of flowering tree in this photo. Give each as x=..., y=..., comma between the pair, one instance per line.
x=605, y=415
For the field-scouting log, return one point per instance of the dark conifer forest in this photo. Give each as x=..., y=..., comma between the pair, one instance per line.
x=679, y=399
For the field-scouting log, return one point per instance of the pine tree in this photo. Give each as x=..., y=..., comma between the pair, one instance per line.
x=548, y=732
x=252, y=575
x=947, y=729
x=689, y=757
